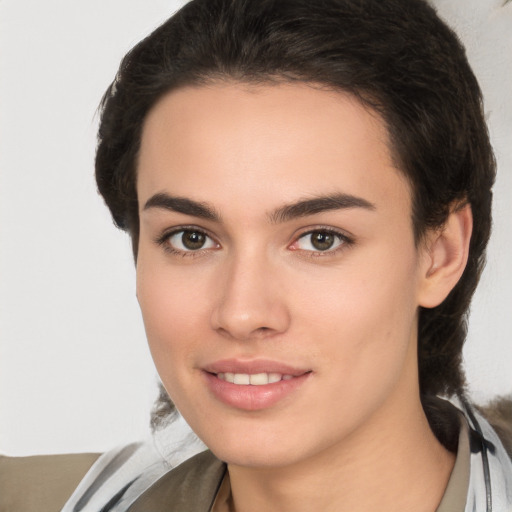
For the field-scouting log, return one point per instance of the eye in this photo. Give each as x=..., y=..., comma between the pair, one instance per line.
x=189, y=240
x=320, y=241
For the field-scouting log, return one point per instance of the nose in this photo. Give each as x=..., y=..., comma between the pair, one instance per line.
x=251, y=301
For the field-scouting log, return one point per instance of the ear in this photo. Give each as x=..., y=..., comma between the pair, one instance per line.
x=445, y=256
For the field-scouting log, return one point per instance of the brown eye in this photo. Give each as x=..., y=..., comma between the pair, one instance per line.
x=320, y=241
x=193, y=240
x=188, y=240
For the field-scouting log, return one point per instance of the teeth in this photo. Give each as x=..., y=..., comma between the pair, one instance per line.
x=274, y=377
x=241, y=378
x=259, y=379
x=256, y=379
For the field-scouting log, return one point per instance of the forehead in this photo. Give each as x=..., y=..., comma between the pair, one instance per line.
x=267, y=143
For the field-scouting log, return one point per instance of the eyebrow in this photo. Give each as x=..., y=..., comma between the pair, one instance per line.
x=306, y=207
x=301, y=208
x=182, y=205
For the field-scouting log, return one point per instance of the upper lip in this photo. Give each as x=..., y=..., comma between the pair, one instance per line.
x=252, y=367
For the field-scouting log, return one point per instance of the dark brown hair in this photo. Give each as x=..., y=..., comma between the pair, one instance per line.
x=395, y=56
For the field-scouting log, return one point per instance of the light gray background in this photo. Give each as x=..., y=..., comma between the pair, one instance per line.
x=75, y=372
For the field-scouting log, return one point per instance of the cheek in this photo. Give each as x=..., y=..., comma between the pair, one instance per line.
x=366, y=317
x=173, y=308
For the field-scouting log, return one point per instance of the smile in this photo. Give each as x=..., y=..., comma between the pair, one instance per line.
x=254, y=385
x=255, y=379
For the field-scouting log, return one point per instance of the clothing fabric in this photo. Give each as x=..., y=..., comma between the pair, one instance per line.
x=121, y=475
x=455, y=494
x=173, y=471
x=490, y=483
x=41, y=483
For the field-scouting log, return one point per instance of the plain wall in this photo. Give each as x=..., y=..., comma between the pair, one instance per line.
x=75, y=371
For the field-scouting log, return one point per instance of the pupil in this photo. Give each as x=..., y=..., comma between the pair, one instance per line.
x=322, y=241
x=193, y=240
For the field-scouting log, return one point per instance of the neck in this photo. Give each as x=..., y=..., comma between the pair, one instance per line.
x=393, y=463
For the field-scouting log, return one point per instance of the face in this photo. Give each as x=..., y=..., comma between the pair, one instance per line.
x=277, y=271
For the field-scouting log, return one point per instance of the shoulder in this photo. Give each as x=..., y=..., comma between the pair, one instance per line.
x=136, y=478
x=498, y=413
x=41, y=483
x=122, y=475
x=193, y=485
x=491, y=465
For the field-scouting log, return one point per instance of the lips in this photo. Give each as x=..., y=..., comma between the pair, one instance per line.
x=252, y=367
x=253, y=385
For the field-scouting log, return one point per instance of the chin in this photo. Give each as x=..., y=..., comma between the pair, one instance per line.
x=255, y=457
x=261, y=446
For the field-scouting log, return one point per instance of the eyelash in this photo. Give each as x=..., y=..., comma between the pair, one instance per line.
x=163, y=241
x=345, y=241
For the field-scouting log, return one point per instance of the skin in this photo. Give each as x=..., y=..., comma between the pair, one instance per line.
x=353, y=435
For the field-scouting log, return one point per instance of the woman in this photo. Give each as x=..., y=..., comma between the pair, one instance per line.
x=307, y=187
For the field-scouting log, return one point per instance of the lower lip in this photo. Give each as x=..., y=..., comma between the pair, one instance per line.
x=253, y=398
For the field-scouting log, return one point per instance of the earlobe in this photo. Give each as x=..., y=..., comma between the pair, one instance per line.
x=446, y=255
